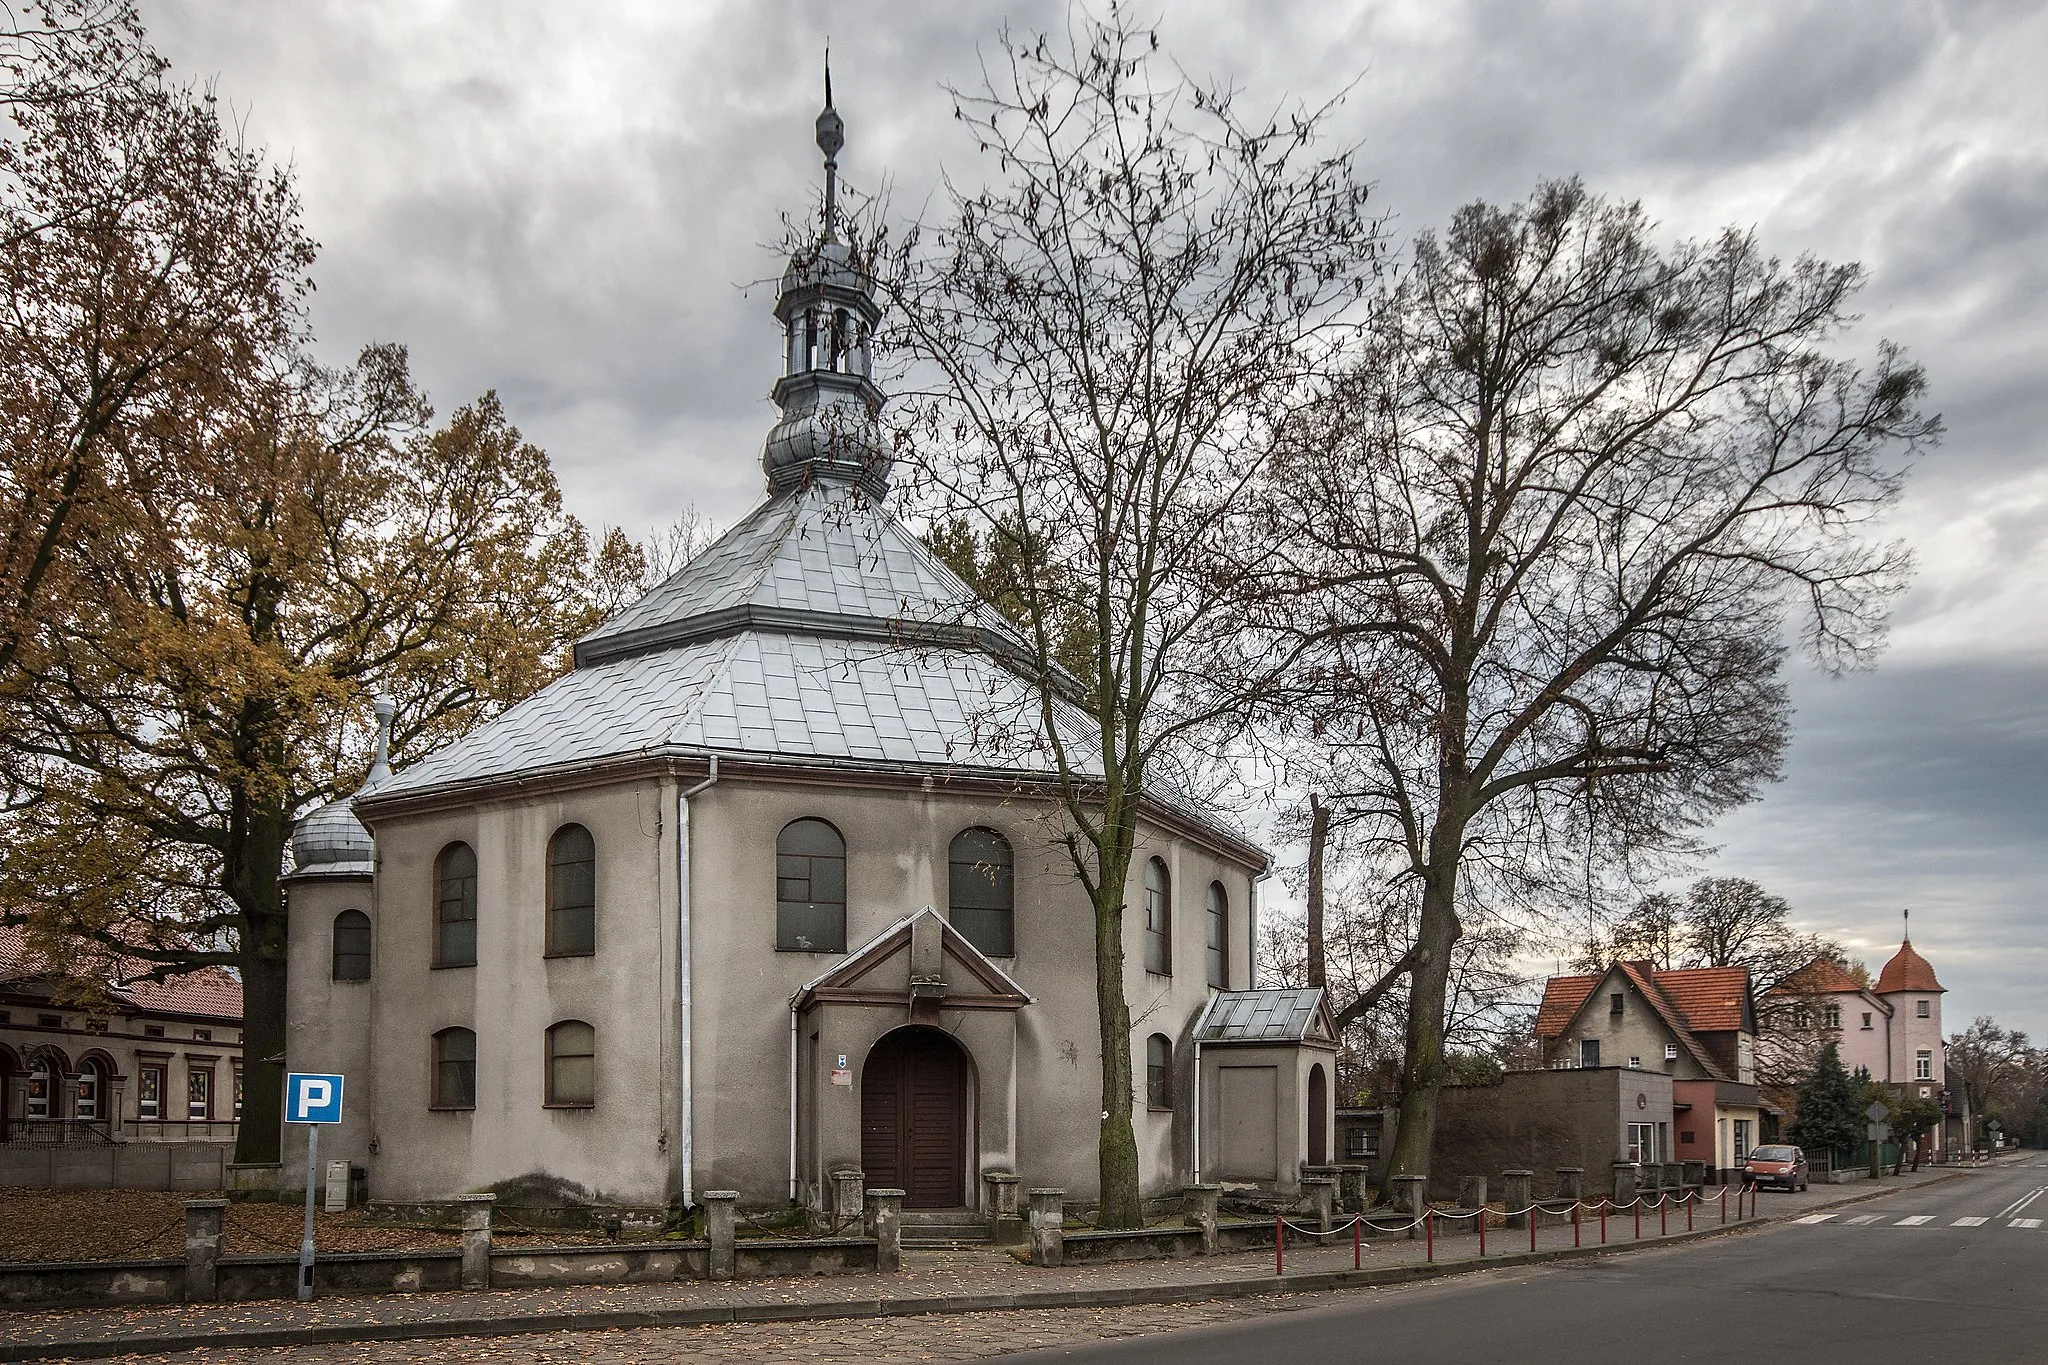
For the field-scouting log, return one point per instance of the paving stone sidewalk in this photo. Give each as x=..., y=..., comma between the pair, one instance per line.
x=933, y=1281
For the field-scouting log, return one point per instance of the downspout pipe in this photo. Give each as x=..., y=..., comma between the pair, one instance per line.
x=685, y=1147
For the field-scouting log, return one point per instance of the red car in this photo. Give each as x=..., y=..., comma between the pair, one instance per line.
x=1777, y=1165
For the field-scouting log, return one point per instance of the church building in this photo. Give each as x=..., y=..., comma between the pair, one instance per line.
x=766, y=887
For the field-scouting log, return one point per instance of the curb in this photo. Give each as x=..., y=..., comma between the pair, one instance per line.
x=608, y=1319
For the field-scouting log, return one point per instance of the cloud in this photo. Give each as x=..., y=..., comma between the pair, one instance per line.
x=565, y=203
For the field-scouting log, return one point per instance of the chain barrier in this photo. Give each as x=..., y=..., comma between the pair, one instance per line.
x=800, y=1234
x=176, y=1224
x=1690, y=1198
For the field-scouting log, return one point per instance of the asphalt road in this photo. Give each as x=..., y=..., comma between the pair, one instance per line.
x=1966, y=1279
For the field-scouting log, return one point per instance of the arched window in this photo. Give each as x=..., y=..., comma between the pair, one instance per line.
x=1158, y=1072
x=981, y=890
x=454, y=1069
x=455, y=901
x=1219, y=937
x=1158, y=918
x=92, y=1084
x=572, y=1065
x=43, y=1091
x=572, y=893
x=810, y=888
x=351, y=946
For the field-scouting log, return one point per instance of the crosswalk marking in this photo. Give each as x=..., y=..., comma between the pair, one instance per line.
x=2024, y=1223
x=1864, y=1219
x=1969, y=1222
x=1814, y=1218
x=1915, y=1221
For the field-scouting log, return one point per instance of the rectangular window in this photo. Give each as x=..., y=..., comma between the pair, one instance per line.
x=1635, y=1064
x=149, y=1092
x=1866, y=1019
x=1642, y=1142
x=1670, y=1052
x=1923, y=1065
x=1589, y=1052
x=1614, y=1003
x=1832, y=1016
x=88, y=1093
x=1741, y=1141
x=202, y=1035
x=199, y=1093
x=1920, y=1008
x=454, y=1069
x=1363, y=1142
x=152, y=1030
x=39, y=1092
x=238, y=1094
x=57, y=1020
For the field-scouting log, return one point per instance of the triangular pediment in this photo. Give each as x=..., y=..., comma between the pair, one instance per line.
x=889, y=969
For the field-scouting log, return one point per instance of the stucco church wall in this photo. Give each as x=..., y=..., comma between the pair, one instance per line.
x=617, y=1149
x=327, y=1022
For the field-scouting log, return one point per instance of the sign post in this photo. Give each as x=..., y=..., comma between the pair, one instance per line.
x=1877, y=1112
x=312, y=1100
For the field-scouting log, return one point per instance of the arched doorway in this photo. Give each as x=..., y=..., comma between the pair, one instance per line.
x=913, y=1118
x=1318, y=1117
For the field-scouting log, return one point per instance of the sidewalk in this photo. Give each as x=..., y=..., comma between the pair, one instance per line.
x=940, y=1281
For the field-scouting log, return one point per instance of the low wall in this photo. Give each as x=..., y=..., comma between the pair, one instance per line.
x=117, y=1166
x=244, y=1278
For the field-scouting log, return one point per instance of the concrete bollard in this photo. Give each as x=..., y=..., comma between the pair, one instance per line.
x=1408, y=1197
x=999, y=1201
x=1514, y=1193
x=1472, y=1192
x=1571, y=1183
x=1624, y=1183
x=721, y=1224
x=1695, y=1174
x=1351, y=1184
x=1048, y=1224
x=849, y=1197
x=475, y=1211
x=885, y=1225
x=1321, y=1192
x=1201, y=1208
x=202, y=1249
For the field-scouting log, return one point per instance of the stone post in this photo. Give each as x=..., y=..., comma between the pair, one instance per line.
x=475, y=1212
x=1472, y=1192
x=1048, y=1223
x=202, y=1249
x=1514, y=1194
x=1321, y=1193
x=1408, y=1197
x=1624, y=1183
x=849, y=1199
x=721, y=1214
x=999, y=1202
x=1571, y=1182
x=1674, y=1176
x=1695, y=1174
x=1202, y=1201
x=885, y=1225
x=1351, y=1183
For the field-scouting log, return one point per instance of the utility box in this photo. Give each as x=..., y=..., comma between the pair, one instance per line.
x=337, y=1192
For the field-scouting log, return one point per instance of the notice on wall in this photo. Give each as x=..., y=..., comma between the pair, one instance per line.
x=841, y=1076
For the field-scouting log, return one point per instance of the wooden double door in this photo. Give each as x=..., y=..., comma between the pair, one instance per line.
x=913, y=1118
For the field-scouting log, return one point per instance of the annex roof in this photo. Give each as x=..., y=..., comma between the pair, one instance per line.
x=1287, y=1015
x=1907, y=971
x=209, y=992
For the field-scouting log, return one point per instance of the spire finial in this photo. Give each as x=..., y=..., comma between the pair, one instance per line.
x=831, y=137
x=1908, y=914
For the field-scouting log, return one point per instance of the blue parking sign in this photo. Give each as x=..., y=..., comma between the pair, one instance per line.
x=311, y=1098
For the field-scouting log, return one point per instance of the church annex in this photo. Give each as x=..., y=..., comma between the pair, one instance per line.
x=757, y=892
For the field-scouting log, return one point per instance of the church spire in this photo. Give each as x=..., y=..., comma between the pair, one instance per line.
x=830, y=404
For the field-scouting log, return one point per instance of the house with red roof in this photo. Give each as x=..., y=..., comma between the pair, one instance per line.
x=105, y=1056
x=1695, y=1026
x=1891, y=1028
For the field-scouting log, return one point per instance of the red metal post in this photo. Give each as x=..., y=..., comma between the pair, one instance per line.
x=1532, y=1226
x=1576, y=1205
x=1689, y=1202
x=1724, y=1201
x=1664, y=1217
x=1603, y=1220
x=1482, y=1231
x=1279, y=1243
x=1638, y=1206
x=1357, y=1243
x=1429, y=1233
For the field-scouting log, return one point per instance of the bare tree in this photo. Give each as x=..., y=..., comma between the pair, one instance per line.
x=1996, y=1069
x=1543, y=545
x=1115, y=331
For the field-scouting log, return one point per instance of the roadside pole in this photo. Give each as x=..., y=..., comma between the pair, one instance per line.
x=312, y=1100
x=1877, y=1132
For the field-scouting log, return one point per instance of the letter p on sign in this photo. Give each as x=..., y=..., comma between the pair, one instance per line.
x=310, y=1098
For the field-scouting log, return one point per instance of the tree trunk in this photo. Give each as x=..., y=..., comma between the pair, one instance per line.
x=1429, y=987
x=1117, y=1143
x=254, y=865
x=1318, y=837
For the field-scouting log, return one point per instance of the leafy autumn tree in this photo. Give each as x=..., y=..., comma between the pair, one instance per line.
x=212, y=684
x=149, y=264
x=1541, y=551
x=1111, y=334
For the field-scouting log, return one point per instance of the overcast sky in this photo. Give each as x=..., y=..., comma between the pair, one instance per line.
x=567, y=202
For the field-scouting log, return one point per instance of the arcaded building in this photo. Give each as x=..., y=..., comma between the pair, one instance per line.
x=767, y=887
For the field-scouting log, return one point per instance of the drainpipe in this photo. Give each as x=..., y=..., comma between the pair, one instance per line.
x=685, y=1149
x=792, y=1100
x=1198, y=1114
